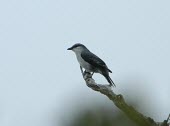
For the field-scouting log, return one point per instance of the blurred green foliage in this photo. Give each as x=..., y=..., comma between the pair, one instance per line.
x=99, y=116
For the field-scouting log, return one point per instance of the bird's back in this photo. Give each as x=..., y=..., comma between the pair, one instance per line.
x=94, y=60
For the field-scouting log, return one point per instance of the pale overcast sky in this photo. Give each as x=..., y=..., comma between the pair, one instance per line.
x=40, y=79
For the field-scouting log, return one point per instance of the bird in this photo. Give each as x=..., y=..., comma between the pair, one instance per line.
x=91, y=62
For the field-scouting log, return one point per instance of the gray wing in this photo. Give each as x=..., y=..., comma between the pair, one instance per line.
x=94, y=60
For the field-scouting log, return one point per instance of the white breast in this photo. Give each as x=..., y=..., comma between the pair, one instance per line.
x=83, y=63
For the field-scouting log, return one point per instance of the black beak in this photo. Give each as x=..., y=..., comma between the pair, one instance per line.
x=69, y=48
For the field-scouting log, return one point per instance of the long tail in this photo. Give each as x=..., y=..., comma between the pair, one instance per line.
x=106, y=75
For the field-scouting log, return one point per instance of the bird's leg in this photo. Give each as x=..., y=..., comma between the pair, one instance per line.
x=92, y=73
x=82, y=72
x=81, y=69
x=85, y=73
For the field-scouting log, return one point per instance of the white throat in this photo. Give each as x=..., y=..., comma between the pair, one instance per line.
x=81, y=61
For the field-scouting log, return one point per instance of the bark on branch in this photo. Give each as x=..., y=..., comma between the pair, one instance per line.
x=119, y=102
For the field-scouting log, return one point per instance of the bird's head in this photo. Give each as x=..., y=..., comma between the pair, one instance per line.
x=77, y=48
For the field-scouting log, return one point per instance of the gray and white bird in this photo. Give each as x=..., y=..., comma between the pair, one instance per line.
x=90, y=62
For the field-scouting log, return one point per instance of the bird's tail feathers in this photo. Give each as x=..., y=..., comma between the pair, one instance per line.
x=109, y=80
x=109, y=70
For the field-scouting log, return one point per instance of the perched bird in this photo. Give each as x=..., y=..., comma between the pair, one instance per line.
x=90, y=62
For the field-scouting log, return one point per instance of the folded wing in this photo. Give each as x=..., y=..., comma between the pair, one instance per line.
x=94, y=60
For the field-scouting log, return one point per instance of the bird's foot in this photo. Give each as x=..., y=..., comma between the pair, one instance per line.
x=87, y=74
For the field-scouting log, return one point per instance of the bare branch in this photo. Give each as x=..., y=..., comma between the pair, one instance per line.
x=119, y=101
